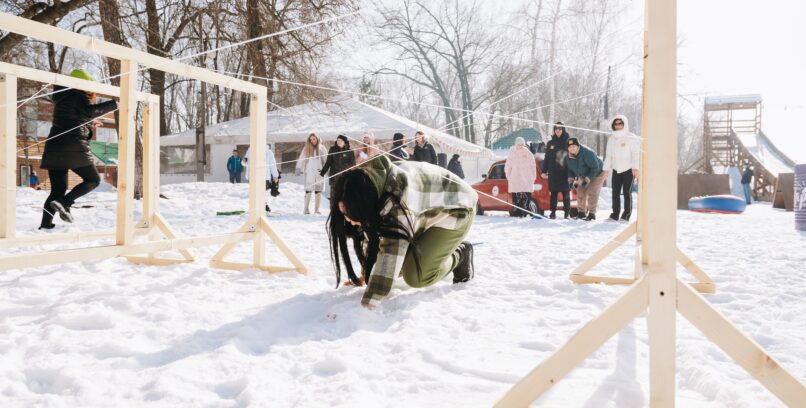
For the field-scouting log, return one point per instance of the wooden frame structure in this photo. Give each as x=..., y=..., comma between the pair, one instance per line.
x=658, y=289
x=152, y=223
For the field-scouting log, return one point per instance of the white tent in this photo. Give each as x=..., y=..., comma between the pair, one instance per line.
x=327, y=119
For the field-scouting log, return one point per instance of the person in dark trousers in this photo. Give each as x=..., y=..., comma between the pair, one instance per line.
x=555, y=169
x=68, y=147
x=424, y=151
x=234, y=167
x=406, y=220
x=398, y=152
x=747, y=177
x=455, y=167
x=622, y=156
x=586, y=168
x=339, y=159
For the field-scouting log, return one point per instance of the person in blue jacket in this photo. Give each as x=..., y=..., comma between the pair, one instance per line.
x=234, y=167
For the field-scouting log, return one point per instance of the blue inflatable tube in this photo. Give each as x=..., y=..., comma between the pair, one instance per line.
x=722, y=204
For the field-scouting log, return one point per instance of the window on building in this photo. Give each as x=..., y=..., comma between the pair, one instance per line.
x=182, y=159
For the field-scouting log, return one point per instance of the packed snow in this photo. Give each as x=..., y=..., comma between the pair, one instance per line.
x=111, y=333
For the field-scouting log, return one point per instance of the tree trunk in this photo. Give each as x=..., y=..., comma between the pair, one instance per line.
x=42, y=14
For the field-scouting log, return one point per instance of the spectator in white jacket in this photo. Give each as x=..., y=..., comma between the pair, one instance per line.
x=272, y=175
x=622, y=158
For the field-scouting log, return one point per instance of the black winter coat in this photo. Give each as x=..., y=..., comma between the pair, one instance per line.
x=747, y=176
x=338, y=162
x=71, y=112
x=556, y=163
x=398, y=152
x=455, y=167
x=425, y=153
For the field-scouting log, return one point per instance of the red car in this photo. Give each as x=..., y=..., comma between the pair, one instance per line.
x=495, y=184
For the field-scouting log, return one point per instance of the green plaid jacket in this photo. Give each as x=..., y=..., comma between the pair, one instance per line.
x=435, y=197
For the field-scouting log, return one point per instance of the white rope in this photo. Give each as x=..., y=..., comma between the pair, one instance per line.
x=263, y=37
x=67, y=131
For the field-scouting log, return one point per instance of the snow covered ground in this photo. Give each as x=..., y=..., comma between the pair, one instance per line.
x=110, y=333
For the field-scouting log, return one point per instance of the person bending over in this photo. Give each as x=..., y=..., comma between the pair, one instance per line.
x=408, y=220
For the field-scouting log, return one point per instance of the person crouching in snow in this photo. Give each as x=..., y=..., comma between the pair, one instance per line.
x=310, y=164
x=68, y=147
x=408, y=220
x=586, y=168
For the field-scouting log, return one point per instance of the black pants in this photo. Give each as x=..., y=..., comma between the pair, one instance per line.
x=235, y=177
x=58, y=187
x=622, y=185
x=566, y=201
x=520, y=201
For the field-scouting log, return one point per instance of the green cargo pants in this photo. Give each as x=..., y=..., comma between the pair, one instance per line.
x=438, y=254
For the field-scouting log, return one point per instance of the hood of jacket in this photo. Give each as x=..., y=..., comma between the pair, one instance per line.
x=626, y=128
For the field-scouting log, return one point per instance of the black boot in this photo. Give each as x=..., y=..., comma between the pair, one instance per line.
x=553, y=215
x=47, y=221
x=267, y=208
x=591, y=217
x=64, y=211
x=581, y=215
x=566, y=214
x=463, y=271
x=614, y=216
x=625, y=216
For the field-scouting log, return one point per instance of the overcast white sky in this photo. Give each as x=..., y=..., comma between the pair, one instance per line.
x=750, y=47
x=731, y=47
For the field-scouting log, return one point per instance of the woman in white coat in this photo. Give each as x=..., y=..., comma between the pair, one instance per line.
x=521, y=171
x=310, y=164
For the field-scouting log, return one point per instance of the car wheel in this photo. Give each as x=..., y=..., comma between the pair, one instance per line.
x=534, y=207
x=479, y=210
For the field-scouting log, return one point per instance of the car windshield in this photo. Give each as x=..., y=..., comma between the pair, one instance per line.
x=497, y=172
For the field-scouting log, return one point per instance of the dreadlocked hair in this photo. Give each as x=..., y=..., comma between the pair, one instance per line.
x=362, y=204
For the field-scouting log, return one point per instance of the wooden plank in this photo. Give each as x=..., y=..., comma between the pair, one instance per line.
x=278, y=240
x=741, y=348
x=607, y=280
x=30, y=260
x=70, y=39
x=660, y=194
x=68, y=81
x=257, y=158
x=240, y=266
x=586, y=341
x=169, y=233
x=126, y=143
x=247, y=227
x=8, y=156
x=64, y=238
x=604, y=251
x=694, y=269
x=149, y=260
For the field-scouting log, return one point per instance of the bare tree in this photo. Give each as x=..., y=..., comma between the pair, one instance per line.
x=43, y=12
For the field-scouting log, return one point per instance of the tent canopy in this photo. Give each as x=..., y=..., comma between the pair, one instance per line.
x=328, y=119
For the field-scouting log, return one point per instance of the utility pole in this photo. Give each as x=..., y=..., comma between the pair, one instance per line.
x=600, y=137
x=201, y=118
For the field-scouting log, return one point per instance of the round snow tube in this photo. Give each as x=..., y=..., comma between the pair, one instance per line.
x=722, y=204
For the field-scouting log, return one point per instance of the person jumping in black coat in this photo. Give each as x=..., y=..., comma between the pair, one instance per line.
x=424, y=151
x=68, y=148
x=555, y=169
x=339, y=159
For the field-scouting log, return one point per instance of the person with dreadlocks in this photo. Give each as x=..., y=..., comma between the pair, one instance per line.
x=67, y=148
x=409, y=219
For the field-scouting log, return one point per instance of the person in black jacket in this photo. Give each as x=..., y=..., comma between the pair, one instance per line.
x=455, y=167
x=424, y=151
x=68, y=147
x=398, y=152
x=555, y=169
x=339, y=159
x=747, y=178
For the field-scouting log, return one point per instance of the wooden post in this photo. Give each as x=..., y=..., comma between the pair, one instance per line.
x=124, y=227
x=257, y=176
x=151, y=161
x=8, y=155
x=660, y=195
